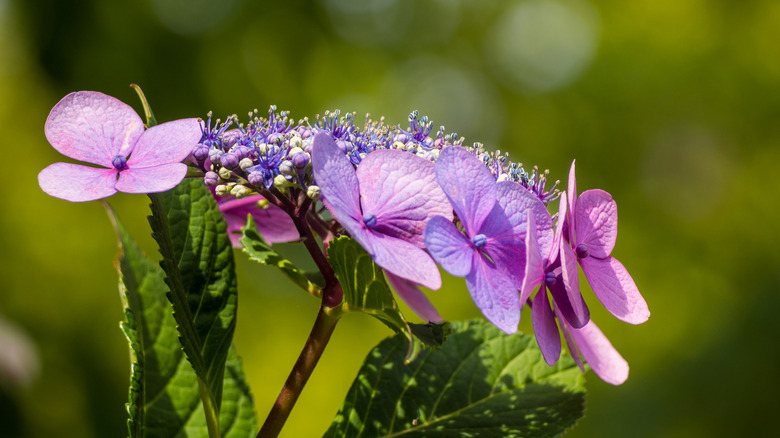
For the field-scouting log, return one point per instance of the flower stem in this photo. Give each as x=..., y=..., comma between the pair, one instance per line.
x=307, y=360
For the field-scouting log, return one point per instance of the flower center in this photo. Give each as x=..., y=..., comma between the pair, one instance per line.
x=550, y=279
x=479, y=240
x=119, y=162
x=369, y=220
x=582, y=250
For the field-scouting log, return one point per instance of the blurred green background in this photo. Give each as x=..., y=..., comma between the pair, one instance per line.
x=670, y=105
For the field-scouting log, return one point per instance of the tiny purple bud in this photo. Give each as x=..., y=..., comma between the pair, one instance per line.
x=550, y=279
x=211, y=178
x=304, y=131
x=255, y=178
x=229, y=160
x=344, y=146
x=369, y=220
x=300, y=160
x=201, y=152
x=241, y=152
x=274, y=138
x=215, y=155
x=403, y=138
x=119, y=162
x=480, y=240
x=582, y=250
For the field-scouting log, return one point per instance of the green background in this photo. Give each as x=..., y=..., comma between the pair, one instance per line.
x=670, y=105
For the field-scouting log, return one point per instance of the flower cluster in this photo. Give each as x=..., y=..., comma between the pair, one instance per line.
x=411, y=197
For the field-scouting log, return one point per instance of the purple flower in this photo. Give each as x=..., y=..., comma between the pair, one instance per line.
x=492, y=254
x=272, y=222
x=99, y=129
x=384, y=206
x=588, y=237
x=587, y=340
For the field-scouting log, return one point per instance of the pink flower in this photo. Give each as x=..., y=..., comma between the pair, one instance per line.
x=272, y=222
x=588, y=238
x=99, y=129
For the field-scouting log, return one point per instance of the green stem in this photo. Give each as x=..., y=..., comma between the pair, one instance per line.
x=304, y=366
x=212, y=413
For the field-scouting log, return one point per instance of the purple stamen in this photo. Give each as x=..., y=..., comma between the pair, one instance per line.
x=119, y=162
x=370, y=220
x=480, y=240
x=550, y=279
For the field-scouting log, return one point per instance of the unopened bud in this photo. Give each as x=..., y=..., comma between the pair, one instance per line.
x=221, y=190
x=399, y=145
x=225, y=173
x=281, y=182
x=211, y=178
x=263, y=204
x=295, y=142
x=313, y=192
x=200, y=152
x=286, y=168
x=246, y=163
x=229, y=160
x=256, y=179
x=239, y=191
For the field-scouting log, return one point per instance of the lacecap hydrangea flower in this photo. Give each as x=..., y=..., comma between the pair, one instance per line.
x=99, y=129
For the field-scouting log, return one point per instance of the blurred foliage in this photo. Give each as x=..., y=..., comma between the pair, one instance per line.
x=670, y=105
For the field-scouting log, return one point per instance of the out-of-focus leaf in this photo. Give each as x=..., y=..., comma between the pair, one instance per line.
x=260, y=251
x=164, y=400
x=482, y=382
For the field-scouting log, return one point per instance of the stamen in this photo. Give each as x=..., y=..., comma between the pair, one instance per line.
x=480, y=240
x=119, y=162
x=550, y=279
x=369, y=220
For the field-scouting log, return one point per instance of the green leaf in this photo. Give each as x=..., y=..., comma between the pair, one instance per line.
x=364, y=285
x=260, y=251
x=200, y=273
x=482, y=382
x=432, y=334
x=164, y=400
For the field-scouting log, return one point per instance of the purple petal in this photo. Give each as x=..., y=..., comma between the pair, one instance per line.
x=504, y=246
x=595, y=222
x=414, y=298
x=572, y=189
x=495, y=294
x=563, y=302
x=615, y=288
x=400, y=189
x=599, y=353
x=92, y=127
x=399, y=257
x=169, y=142
x=560, y=230
x=272, y=222
x=570, y=344
x=517, y=203
x=534, y=265
x=77, y=183
x=469, y=186
x=337, y=180
x=571, y=282
x=448, y=246
x=546, y=330
x=151, y=179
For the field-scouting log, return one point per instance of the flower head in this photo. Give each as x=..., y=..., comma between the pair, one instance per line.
x=384, y=205
x=491, y=254
x=99, y=129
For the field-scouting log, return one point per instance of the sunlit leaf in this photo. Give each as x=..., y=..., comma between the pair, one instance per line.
x=164, y=400
x=481, y=382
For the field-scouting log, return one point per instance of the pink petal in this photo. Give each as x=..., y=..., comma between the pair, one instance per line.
x=272, y=222
x=595, y=220
x=468, y=184
x=615, y=288
x=399, y=257
x=517, y=202
x=77, y=183
x=336, y=178
x=495, y=294
x=413, y=297
x=599, y=353
x=572, y=190
x=546, y=330
x=170, y=142
x=448, y=246
x=570, y=344
x=401, y=190
x=534, y=265
x=563, y=302
x=571, y=282
x=151, y=179
x=92, y=127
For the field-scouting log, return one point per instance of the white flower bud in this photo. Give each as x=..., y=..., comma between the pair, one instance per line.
x=221, y=190
x=225, y=173
x=246, y=163
x=239, y=191
x=313, y=192
x=295, y=142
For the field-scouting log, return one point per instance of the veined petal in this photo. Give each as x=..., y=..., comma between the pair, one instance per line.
x=572, y=191
x=93, y=127
x=77, y=183
x=170, y=142
x=401, y=190
x=336, y=178
x=151, y=179
x=468, y=184
x=534, y=264
x=413, y=297
x=518, y=203
x=546, y=330
x=595, y=220
x=400, y=258
x=563, y=302
x=272, y=222
x=599, y=353
x=571, y=282
x=494, y=294
x=448, y=246
x=615, y=288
